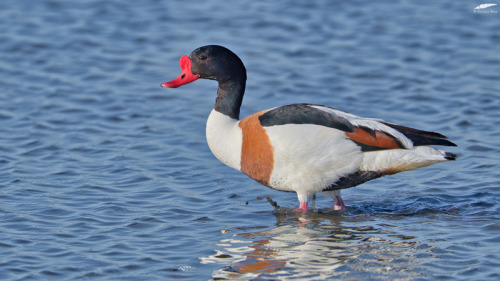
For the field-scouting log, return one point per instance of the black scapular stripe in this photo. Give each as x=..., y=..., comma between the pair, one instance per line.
x=302, y=113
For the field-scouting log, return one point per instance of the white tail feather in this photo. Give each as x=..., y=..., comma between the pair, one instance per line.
x=398, y=160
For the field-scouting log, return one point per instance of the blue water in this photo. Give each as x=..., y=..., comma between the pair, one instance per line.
x=106, y=176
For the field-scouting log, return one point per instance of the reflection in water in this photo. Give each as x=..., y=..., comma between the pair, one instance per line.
x=316, y=246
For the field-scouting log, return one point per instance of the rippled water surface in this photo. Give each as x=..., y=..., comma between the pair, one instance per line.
x=106, y=176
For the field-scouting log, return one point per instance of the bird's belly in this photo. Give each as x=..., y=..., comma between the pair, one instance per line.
x=308, y=158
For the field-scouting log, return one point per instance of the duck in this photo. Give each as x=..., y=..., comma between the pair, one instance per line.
x=303, y=148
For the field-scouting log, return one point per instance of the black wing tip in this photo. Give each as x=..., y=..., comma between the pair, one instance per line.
x=444, y=142
x=420, y=137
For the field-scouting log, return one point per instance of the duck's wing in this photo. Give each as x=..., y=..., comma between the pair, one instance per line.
x=370, y=134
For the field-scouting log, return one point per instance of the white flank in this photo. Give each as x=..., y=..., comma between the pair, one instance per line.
x=224, y=137
x=484, y=6
x=309, y=157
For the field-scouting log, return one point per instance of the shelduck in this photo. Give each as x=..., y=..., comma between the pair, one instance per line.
x=302, y=148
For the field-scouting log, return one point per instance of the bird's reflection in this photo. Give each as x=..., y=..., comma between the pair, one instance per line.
x=316, y=245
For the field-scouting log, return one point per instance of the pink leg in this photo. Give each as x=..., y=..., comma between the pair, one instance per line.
x=302, y=207
x=339, y=203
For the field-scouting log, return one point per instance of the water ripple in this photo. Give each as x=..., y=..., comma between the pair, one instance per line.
x=105, y=175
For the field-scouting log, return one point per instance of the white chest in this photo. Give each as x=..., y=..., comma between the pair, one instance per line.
x=224, y=137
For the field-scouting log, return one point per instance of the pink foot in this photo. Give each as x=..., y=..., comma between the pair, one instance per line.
x=339, y=203
x=302, y=207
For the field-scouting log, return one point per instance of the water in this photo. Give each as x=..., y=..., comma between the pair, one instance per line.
x=106, y=176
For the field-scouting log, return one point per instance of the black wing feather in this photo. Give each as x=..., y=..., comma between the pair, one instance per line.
x=420, y=137
x=302, y=113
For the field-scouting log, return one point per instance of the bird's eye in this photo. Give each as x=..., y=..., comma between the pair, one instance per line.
x=203, y=57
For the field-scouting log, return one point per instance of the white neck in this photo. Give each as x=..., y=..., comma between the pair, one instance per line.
x=224, y=138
